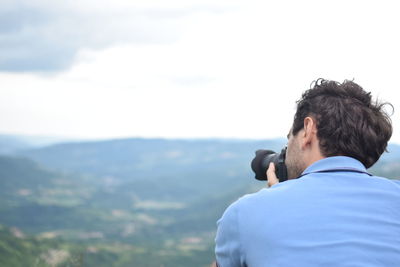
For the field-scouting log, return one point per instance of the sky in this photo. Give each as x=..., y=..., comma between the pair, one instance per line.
x=185, y=69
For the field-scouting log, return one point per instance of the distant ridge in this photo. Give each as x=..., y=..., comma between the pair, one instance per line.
x=10, y=143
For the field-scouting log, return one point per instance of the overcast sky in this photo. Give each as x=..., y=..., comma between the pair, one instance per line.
x=109, y=69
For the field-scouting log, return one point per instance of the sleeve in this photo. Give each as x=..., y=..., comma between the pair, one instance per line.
x=227, y=242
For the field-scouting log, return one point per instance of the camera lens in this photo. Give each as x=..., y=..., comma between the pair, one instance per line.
x=261, y=162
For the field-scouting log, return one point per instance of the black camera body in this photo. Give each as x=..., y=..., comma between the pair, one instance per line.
x=261, y=162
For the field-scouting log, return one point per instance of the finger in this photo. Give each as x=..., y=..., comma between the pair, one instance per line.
x=271, y=176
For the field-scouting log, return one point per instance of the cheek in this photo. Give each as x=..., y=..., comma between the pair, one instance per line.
x=289, y=150
x=289, y=155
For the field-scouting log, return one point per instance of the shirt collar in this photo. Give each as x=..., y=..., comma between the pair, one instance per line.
x=336, y=162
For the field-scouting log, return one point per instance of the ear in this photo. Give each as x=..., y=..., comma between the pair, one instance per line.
x=310, y=132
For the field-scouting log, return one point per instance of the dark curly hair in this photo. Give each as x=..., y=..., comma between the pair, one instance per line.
x=348, y=122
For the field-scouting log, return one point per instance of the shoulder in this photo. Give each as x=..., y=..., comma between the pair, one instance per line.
x=265, y=196
x=391, y=182
x=397, y=182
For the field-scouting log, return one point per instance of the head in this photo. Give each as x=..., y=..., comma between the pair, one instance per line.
x=337, y=119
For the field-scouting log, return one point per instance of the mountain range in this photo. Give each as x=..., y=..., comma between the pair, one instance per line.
x=128, y=202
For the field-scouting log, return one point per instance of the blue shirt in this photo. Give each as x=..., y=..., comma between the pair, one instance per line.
x=340, y=218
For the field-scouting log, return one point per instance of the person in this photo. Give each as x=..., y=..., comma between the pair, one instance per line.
x=331, y=211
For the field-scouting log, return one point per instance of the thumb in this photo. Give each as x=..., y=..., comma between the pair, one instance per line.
x=271, y=176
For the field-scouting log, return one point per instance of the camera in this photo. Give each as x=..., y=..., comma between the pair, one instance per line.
x=261, y=162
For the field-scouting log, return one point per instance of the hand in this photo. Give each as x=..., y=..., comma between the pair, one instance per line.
x=271, y=176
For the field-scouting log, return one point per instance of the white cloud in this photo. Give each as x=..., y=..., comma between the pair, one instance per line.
x=46, y=35
x=230, y=70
